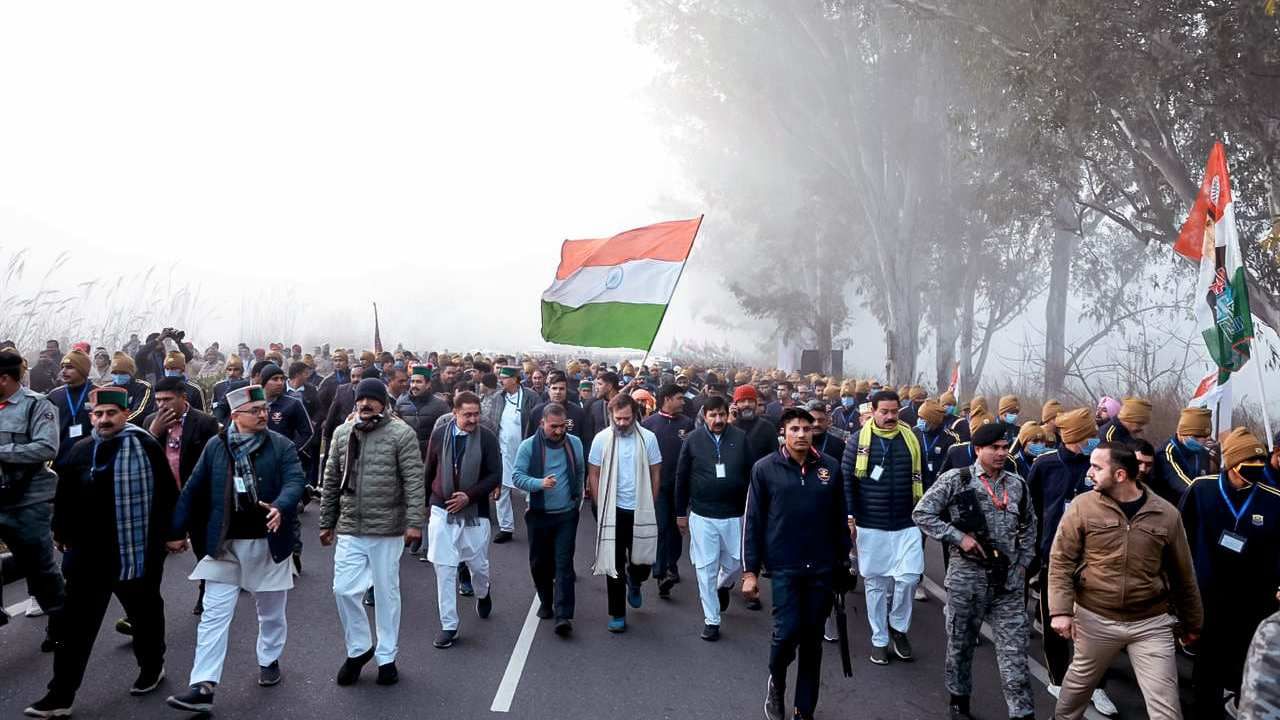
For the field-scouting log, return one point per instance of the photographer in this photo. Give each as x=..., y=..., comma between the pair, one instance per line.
x=28, y=442
x=985, y=511
x=150, y=357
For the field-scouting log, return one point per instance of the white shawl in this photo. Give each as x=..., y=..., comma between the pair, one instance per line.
x=644, y=533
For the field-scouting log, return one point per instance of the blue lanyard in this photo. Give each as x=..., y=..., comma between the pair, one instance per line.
x=1179, y=448
x=928, y=446
x=885, y=448
x=75, y=409
x=1222, y=488
x=716, y=440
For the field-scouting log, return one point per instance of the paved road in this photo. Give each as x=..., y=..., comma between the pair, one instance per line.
x=658, y=669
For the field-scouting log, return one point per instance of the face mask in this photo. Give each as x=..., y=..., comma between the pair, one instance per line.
x=921, y=425
x=173, y=373
x=1253, y=472
x=1192, y=444
x=121, y=379
x=848, y=402
x=1090, y=445
x=1036, y=449
x=1011, y=418
x=747, y=414
x=950, y=409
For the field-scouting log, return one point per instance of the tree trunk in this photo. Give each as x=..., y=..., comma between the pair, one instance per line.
x=1055, y=320
x=822, y=337
x=944, y=347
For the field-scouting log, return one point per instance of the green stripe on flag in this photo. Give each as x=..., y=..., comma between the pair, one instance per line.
x=610, y=324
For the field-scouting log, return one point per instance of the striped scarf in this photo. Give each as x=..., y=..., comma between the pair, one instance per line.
x=241, y=446
x=134, y=485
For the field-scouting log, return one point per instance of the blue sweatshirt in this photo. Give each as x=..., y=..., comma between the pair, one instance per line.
x=564, y=496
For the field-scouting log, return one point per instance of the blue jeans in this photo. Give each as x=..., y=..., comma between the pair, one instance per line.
x=801, y=604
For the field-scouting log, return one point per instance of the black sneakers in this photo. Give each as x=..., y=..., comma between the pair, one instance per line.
x=368, y=597
x=350, y=670
x=484, y=605
x=665, y=584
x=773, y=700
x=269, y=675
x=900, y=644
x=388, y=674
x=49, y=706
x=722, y=594
x=564, y=627
x=545, y=612
x=445, y=639
x=147, y=681
x=879, y=655
x=503, y=536
x=710, y=633
x=197, y=699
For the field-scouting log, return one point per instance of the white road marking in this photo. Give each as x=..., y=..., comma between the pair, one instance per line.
x=1038, y=671
x=18, y=608
x=515, y=666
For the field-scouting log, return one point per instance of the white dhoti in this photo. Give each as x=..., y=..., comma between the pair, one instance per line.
x=450, y=544
x=248, y=565
x=358, y=561
x=715, y=549
x=506, y=516
x=891, y=563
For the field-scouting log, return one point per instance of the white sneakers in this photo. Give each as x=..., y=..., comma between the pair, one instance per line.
x=921, y=595
x=34, y=609
x=1100, y=701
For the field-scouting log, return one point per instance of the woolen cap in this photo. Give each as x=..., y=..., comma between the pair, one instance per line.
x=10, y=359
x=1029, y=433
x=744, y=393
x=1009, y=404
x=979, y=418
x=122, y=363
x=1077, y=425
x=1135, y=410
x=269, y=371
x=988, y=434
x=234, y=361
x=110, y=395
x=1050, y=410
x=1196, y=422
x=373, y=389
x=175, y=360
x=78, y=360
x=947, y=398
x=931, y=412
x=862, y=386
x=978, y=403
x=918, y=394
x=1241, y=446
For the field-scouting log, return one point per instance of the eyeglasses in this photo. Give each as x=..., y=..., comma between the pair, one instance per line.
x=252, y=411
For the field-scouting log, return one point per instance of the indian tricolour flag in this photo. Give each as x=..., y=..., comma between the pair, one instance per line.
x=613, y=292
x=1210, y=240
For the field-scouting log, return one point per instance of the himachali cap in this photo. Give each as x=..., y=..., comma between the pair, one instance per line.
x=584, y=385
x=240, y=397
x=423, y=370
x=110, y=396
x=508, y=372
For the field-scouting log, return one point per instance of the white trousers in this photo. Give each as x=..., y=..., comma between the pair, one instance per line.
x=211, y=636
x=715, y=549
x=506, y=516
x=452, y=544
x=891, y=563
x=358, y=561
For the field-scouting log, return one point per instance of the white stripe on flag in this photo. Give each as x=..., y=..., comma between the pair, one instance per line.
x=636, y=281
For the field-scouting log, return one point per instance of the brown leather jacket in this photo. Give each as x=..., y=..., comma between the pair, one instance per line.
x=1120, y=569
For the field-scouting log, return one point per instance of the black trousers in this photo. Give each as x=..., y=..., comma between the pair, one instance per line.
x=628, y=574
x=25, y=531
x=91, y=581
x=801, y=604
x=670, y=543
x=1222, y=649
x=1057, y=649
x=552, y=540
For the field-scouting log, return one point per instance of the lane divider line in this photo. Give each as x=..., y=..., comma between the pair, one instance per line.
x=515, y=666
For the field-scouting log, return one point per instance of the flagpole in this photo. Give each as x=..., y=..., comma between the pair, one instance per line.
x=673, y=292
x=1262, y=390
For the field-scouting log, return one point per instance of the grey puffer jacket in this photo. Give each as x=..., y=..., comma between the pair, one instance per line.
x=385, y=492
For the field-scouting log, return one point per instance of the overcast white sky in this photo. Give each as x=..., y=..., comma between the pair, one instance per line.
x=427, y=155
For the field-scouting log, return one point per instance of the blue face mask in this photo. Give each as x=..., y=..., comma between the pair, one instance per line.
x=121, y=379
x=950, y=409
x=921, y=425
x=1036, y=449
x=1090, y=445
x=1192, y=444
x=847, y=402
x=1011, y=418
x=173, y=373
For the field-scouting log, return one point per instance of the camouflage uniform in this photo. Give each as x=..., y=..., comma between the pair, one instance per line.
x=970, y=597
x=1260, y=690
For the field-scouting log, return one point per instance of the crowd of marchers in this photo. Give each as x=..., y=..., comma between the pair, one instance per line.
x=112, y=463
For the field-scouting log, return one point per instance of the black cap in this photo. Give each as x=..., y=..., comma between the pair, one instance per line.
x=373, y=389
x=988, y=434
x=268, y=371
x=10, y=360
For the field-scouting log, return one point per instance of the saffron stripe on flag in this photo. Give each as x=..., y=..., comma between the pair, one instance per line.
x=669, y=241
x=607, y=324
x=635, y=281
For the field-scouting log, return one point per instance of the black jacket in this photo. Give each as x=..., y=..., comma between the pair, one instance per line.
x=697, y=486
x=795, y=519
x=490, y=467
x=1056, y=478
x=65, y=399
x=288, y=416
x=958, y=455
x=762, y=436
x=344, y=401
x=886, y=503
x=1114, y=431
x=197, y=428
x=421, y=414
x=219, y=408
x=934, y=445
x=575, y=421
x=84, y=509
x=671, y=432
x=829, y=444
x=327, y=390
x=1176, y=468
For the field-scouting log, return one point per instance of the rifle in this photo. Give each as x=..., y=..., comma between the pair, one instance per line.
x=842, y=621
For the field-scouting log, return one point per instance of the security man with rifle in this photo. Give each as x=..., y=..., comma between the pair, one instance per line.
x=986, y=512
x=796, y=529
